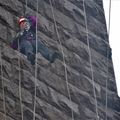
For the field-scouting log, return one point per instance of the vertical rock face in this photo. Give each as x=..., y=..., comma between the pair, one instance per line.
x=83, y=96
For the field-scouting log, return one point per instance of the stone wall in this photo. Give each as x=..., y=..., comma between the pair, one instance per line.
x=52, y=98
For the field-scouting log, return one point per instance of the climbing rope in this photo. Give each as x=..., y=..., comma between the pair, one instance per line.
x=19, y=74
x=19, y=77
x=66, y=76
x=34, y=110
x=107, y=58
x=4, y=105
x=90, y=59
x=26, y=6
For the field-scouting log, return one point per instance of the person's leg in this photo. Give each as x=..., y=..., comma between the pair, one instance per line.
x=45, y=52
x=27, y=49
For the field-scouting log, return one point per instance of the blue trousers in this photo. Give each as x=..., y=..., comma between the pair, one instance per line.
x=28, y=48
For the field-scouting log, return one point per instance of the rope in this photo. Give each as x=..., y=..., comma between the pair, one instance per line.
x=106, y=87
x=19, y=77
x=66, y=76
x=34, y=111
x=4, y=105
x=26, y=3
x=85, y=17
x=107, y=58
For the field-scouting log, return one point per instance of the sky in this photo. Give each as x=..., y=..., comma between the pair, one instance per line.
x=114, y=36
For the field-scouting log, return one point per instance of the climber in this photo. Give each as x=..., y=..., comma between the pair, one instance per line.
x=27, y=41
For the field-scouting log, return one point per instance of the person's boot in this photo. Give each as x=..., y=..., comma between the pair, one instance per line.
x=60, y=56
x=55, y=56
x=31, y=58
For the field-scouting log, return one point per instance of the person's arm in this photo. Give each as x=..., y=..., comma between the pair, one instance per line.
x=15, y=41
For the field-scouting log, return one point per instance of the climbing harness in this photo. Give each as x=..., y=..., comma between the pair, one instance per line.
x=4, y=103
x=34, y=110
x=90, y=60
x=107, y=58
x=66, y=76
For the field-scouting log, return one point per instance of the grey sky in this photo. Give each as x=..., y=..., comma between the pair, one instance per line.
x=114, y=35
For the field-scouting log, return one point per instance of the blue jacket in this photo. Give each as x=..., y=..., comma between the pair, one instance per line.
x=23, y=36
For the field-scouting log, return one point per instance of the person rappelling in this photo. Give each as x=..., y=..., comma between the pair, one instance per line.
x=26, y=39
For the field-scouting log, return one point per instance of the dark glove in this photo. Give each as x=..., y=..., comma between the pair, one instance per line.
x=16, y=39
